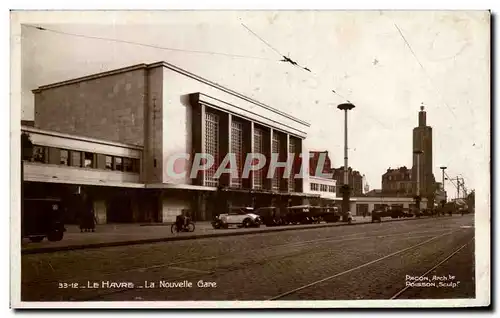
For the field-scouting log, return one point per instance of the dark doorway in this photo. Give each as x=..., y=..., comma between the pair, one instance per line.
x=119, y=208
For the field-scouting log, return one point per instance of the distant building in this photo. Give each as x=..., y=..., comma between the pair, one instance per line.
x=365, y=185
x=314, y=161
x=325, y=188
x=366, y=188
x=355, y=181
x=398, y=182
x=422, y=140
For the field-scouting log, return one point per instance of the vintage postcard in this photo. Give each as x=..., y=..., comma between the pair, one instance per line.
x=250, y=159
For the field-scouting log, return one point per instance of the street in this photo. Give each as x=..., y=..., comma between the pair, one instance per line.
x=365, y=261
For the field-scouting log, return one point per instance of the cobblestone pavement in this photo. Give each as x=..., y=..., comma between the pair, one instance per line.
x=368, y=261
x=112, y=233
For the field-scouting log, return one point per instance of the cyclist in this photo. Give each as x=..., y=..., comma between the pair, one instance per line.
x=180, y=222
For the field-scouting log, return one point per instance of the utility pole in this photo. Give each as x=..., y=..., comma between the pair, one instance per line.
x=345, y=188
x=417, y=197
x=444, y=189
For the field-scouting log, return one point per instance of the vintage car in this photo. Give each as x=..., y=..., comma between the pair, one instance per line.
x=238, y=216
x=270, y=216
x=299, y=214
x=397, y=212
x=43, y=218
x=329, y=214
x=376, y=215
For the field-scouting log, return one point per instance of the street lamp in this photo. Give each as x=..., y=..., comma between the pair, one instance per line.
x=444, y=190
x=417, y=197
x=345, y=187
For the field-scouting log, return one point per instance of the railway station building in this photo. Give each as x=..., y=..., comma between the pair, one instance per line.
x=117, y=136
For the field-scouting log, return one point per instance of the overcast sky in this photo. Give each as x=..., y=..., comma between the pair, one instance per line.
x=361, y=55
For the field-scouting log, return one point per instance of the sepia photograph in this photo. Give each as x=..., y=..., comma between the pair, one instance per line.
x=250, y=159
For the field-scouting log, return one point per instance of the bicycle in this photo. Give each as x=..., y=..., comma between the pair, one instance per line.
x=186, y=228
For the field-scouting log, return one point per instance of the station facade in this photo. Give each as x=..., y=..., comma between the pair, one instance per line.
x=117, y=136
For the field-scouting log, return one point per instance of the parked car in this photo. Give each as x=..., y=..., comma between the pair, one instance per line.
x=239, y=216
x=376, y=216
x=43, y=218
x=397, y=213
x=330, y=214
x=270, y=216
x=299, y=214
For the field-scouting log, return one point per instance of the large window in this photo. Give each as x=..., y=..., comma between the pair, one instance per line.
x=258, y=147
x=275, y=150
x=76, y=158
x=64, y=157
x=109, y=163
x=237, y=150
x=80, y=159
x=118, y=164
x=212, y=146
x=88, y=160
x=136, y=165
x=314, y=187
x=128, y=165
x=39, y=154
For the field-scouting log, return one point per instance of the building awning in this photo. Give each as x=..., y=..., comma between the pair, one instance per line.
x=174, y=186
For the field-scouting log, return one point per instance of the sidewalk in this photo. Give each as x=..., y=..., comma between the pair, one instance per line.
x=129, y=234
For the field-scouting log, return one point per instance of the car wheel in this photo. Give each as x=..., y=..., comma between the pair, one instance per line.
x=55, y=236
x=247, y=223
x=191, y=227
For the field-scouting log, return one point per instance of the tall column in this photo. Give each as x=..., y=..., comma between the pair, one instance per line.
x=299, y=182
x=283, y=157
x=248, y=148
x=225, y=145
x=198, y=135
x=268, y=149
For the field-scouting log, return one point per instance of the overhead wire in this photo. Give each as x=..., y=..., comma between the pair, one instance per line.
x=285, y=59
x=263, y=41
x=315, y=75
x=145, y=44
x=423, y=68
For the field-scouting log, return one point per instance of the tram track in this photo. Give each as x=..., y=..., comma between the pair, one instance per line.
x=290, y=292
x=440, y=263
x=259, y=262
x=255, y=258
x=271, y=247
x=308, y=243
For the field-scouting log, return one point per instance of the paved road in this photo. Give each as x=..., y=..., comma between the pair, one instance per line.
x=369, y=261
x=128, y=233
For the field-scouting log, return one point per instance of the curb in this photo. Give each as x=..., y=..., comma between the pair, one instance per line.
x=48, y=249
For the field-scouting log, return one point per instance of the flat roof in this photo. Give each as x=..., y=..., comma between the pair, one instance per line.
x=173, y=68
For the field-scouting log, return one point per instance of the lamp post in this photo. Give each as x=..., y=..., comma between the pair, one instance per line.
x=345, y=187
x=444, y=190
x=417, y=197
